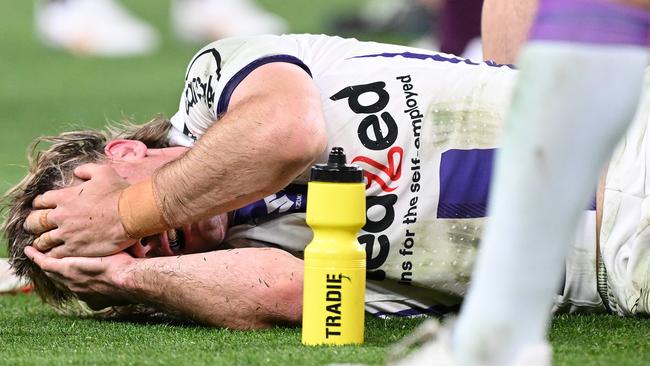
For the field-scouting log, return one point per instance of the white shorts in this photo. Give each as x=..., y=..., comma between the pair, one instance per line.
x=625, y=230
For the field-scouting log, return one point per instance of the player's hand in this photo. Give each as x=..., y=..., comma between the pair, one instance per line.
x=82, y=220
x=97, y=281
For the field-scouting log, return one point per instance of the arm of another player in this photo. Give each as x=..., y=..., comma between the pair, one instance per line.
x=246, y=288
x=273, y=130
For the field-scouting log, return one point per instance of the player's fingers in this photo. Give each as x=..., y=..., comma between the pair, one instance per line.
x=39, y=258
x=48, y=199
x=87, y=171
x=51, y=199
x=38, y=222
x=33, y=254
x=58, y=252
x=47, y=241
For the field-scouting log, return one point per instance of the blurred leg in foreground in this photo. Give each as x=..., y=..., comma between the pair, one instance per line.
x=580, y=81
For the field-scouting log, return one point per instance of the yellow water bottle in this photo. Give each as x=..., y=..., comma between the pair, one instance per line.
x=335, y=264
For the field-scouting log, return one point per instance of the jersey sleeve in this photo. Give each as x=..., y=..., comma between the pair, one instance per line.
x=287, y=231
x=214, y=73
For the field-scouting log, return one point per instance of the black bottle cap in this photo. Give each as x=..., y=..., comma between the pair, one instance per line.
x=336, y=169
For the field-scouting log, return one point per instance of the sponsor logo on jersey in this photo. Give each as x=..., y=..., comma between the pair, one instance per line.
x=378, y=130
x=291, y=199
x=280, y=202
x=200, y=87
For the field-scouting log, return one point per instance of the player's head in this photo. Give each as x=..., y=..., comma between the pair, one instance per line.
x=134, y=151
x=52, y=167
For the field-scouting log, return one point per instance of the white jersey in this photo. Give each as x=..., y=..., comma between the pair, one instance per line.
x=625, y=229
x=423, y=126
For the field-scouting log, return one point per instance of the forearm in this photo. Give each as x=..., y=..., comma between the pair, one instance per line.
x=259, y=146
x=242, y=289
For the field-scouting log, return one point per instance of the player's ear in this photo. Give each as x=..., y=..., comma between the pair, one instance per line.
x=126, y=149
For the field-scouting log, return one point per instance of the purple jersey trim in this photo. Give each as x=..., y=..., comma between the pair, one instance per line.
x=465, y=177
x=435, y=57
x=591, y=21
x=292, y=199
x=415, y=311
x=465, y=183
x=226, y=94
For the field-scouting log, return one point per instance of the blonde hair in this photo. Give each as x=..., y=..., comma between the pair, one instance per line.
x=51, y=168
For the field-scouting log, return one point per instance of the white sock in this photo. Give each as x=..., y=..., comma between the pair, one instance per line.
x=572, y=104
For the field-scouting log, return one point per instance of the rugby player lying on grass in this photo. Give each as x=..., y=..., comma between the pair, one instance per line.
x=243, y=288
x=195, y=277
x=423, y=125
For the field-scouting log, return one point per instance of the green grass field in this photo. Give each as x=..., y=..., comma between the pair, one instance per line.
x=44, y=91
x=32, y=334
